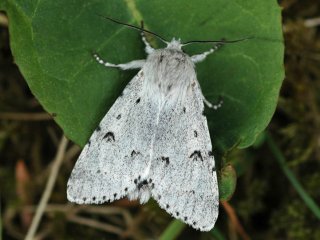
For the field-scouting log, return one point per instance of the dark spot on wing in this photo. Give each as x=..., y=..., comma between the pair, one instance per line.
x=138, y=100
x=169, y=87
x=184, y=109
x=89, y=142
x=98, y=128
x=185, y=218
x=159, y=197
x=195, y=133
x=150, y=180
x=193, y=84
x=98, y=171
x=152, y=185
x=161, y=58
x=139, y=177
x=115, y=195
x=94, y=198
x=134, y=153
x=104, y=197
x=135, y=181
x=84, y=199
x=121, y=94
x=210, y=153
x=119, y=116
x=196, y=155
x=167, y=206
x=213, y=169
x=109, y=136
x=194, y=223
x=165, y=159
x=177, y=213
x=141, y=184
x=126, y=189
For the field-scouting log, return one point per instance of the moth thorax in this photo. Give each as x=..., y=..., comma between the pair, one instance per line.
x=168, y=72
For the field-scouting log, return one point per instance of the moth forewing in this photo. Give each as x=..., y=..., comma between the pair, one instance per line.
x=154, y=141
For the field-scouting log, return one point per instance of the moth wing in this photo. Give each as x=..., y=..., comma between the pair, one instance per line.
x=117, y=152
x=183, y=169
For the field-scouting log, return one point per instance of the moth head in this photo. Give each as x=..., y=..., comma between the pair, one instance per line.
x=174, y=44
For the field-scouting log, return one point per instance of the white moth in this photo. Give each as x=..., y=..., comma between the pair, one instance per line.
x=154, y=142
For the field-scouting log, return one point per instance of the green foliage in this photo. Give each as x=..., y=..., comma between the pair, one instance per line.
x=52, y=43
x=173, y=230
x=227, y=182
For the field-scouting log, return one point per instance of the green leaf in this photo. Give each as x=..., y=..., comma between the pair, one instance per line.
x=227, y=182
x=52, y=43
x=173, y=230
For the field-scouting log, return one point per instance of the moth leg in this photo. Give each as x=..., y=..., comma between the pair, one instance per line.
x=200, y=57
x=213, y=106
x=148, y=47
x=124, y=66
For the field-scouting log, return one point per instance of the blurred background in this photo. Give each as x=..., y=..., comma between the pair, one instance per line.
x=278, y=189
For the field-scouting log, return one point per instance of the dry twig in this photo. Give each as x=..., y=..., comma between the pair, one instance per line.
x=235, y=221
x=25, y=116
x=47, y=192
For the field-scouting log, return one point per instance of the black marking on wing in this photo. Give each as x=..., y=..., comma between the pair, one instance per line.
x=184, y=110
x=119, y=116
x=161, y=58
x=142, y=183
x=196, y=155
x=138, y=100
x=98, y=128
x=109, y=136
x=210, y=153
x=134, y=153
x=195, y=133
x=165, y=159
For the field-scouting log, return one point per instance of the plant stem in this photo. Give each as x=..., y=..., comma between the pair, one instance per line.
x=173, y=230
x=295, y=183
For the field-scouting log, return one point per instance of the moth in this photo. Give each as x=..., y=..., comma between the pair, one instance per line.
x=154, y=141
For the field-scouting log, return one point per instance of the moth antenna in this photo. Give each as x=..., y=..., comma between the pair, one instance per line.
x=135, y=27
x=216, y=41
